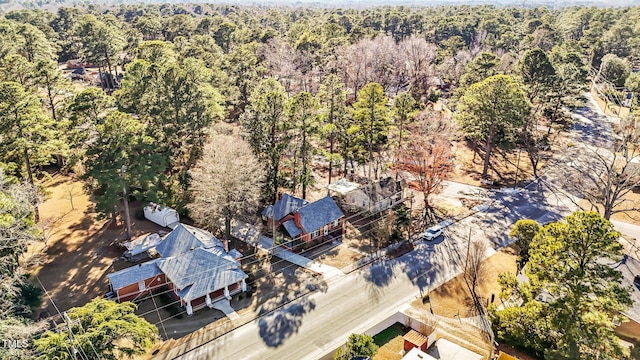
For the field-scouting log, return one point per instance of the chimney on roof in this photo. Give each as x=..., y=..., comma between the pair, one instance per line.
x=192, y=248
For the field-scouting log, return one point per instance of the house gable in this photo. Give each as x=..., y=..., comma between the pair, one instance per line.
x=185, y=238
x=316, y=215
x=286, y=205
x=201, y=271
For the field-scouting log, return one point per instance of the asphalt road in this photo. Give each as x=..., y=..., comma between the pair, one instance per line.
x=317, y=324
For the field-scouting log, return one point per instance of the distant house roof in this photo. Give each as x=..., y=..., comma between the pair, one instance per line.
x=318, y=214
x=630, y=267
x=343, y=186
x=201, y=271
x=287, y=204
x=184, y=238
x=291, y=228
x=375, y=190
x=384, y=188
x=134, y=274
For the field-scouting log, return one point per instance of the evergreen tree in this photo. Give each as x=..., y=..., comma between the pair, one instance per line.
x=303, y=117
x=334, y=118
x=101, y=329
x=265, y=122
x=122, y=161
x=491, y=111
x=372, y=117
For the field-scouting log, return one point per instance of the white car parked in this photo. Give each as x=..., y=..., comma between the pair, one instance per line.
x=433, y=233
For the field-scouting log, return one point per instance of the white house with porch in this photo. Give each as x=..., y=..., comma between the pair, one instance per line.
x=372, y=196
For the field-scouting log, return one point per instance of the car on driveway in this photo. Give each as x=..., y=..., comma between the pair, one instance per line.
x=433, y=233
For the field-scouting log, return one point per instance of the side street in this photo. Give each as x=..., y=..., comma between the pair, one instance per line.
x=327, y=180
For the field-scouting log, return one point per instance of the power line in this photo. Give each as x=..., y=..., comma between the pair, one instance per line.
x=272, y=273
x=66, y=319
x=268, y=250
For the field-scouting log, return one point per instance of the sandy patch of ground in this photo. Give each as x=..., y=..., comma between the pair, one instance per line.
x=340, y=256
x=631, y=217
x=452, y=299
x=79, y=249
x=391, y=350
x=609, y=108
x=502, y=169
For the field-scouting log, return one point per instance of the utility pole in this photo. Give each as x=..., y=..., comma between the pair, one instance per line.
x=410, y=214
x=127, y=218
x=515, y=181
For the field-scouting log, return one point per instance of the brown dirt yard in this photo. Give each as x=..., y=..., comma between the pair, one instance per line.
x=78, y=250
x=452, y=299
x=502, y=169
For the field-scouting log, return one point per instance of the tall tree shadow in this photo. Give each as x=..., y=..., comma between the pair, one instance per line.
x=278, y=326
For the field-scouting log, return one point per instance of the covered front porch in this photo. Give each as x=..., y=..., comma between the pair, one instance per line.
x=225, y=293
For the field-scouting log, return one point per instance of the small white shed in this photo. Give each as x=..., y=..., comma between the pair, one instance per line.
x=162, y=215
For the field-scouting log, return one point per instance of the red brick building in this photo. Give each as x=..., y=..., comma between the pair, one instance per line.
x=194, y=266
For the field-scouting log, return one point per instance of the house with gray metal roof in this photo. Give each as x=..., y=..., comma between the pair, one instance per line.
x=184, y=238
x=283, y=209
x=313, y=223
x=135, y=281
x=201, y=276
x=194, y=266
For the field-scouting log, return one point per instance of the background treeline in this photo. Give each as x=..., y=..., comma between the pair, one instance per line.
x=187, y=66
x=350, y=87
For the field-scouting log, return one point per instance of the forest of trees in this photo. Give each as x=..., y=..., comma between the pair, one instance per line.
x=350, y=90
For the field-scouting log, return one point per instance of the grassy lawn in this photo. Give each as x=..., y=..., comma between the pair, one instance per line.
x=390, y=342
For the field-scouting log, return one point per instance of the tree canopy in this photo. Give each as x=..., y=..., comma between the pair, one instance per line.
x=492, y=111
x=358, y=345
x=573, y=262
x=226, y=182
x=101, y=329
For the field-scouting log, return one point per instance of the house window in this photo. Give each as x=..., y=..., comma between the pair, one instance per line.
x=315, y=234
x=141, y=286
x=326, y=230
x=335, y=223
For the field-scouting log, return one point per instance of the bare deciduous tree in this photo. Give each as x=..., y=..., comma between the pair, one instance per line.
x=226, y=182
x=604, y=178
x=475, y=273
x=418, y=56
x=279, y=62
x=371, y=60
x=427, y=155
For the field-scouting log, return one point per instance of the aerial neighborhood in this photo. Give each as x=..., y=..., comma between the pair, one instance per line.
x=319, y=180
